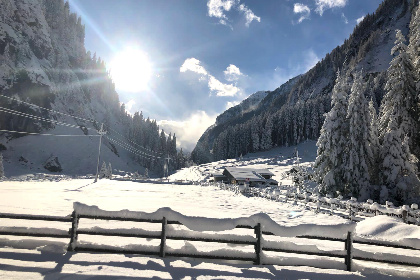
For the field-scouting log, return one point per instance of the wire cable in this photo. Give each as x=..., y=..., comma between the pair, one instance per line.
x=50, y=110
x=18, y=113
x=46, y=134
x=73, y=116
x=147, y=149
x=131, y=148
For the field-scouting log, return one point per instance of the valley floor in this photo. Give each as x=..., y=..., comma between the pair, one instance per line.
x=56, y=198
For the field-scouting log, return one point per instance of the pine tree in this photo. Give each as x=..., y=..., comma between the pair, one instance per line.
x=374, y=144
x=414, y=45
x=266, y=142
x=360, y=159
x=414, y=50
x=1, y=167
x=255, y=134
x=146, y=173
x=332, y=143
x=109, y=171
x=398, y=168
x=103, y=172
x=400, y=101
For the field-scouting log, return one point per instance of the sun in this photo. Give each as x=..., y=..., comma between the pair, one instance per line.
x=131, y=70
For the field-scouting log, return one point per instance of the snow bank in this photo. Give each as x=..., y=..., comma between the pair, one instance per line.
x=59, y=247
x=390, y=229
x=23, y=230
x=212, y=224
x=294, y=246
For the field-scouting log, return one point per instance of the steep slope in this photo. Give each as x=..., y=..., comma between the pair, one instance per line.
x=294, y=111
x=49, y=84
x=247, y=105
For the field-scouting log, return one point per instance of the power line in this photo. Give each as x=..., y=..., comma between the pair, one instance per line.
x=127, y=148
x=149, y=150
x=46, y=134
x=50, y=110
x=130, y=148
x=73, y=116
x=22, y=114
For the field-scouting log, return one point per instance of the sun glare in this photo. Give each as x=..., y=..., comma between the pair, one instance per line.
x=131, y=70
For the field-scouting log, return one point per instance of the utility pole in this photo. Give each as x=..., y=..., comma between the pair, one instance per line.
x=101, y=133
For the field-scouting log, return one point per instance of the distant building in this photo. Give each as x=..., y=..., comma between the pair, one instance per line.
x=250, y=176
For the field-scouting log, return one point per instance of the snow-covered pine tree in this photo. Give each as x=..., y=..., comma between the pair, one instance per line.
x=103, y=172
x=398, y=170
x=374, y=145
x=255, y=134
x=146, y=173
x=360, y=156
x=400, y=101
x=414, y=50
x=332, y=142
x=109, y=171
x=266, y=142
x=1, y=166
x=414, y=45
x=135, y=176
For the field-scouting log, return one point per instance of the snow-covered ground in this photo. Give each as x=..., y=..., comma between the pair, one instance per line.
x=23, y=258
x=277, y=160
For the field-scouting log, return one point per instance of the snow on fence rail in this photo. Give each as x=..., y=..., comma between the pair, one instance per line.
x=350, y=209
x=266, y=238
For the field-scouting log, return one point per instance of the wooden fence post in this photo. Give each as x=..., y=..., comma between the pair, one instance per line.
x=73, y=232
x=349, y=250
x=258, y=245
x=163, y=238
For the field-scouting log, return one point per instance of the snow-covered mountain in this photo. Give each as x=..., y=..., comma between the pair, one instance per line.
x=49, y=84
x=247, y=105
x=288, y=109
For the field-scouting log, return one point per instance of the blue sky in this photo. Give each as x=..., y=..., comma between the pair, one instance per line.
x=207, y=55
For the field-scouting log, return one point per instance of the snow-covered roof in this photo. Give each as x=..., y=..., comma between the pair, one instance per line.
x=248, y=173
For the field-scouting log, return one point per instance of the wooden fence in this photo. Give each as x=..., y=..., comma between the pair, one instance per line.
x=257, y=240
x=350, y=209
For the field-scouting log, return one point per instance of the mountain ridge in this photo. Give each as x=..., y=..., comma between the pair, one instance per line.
x=50, y=84
x=368, y=47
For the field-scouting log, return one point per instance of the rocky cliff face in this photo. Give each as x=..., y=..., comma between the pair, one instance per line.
x=43, y=62
x=307, y=96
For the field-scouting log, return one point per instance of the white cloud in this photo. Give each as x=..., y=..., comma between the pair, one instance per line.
x=230, y=104
x=218, y=9
x=129, y=105
x=322, y=5
x=249, y=15
x=188, y=131
x=220, y=88
x=359, y=20
x=232, y=73
x=193, y=64
x=343, y=16
x=303, y=10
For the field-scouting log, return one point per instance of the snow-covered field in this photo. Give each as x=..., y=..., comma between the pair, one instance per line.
x=22, y=258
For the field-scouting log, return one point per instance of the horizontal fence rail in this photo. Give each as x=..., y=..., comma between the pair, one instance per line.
x=350, y=209
x=257, y=240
